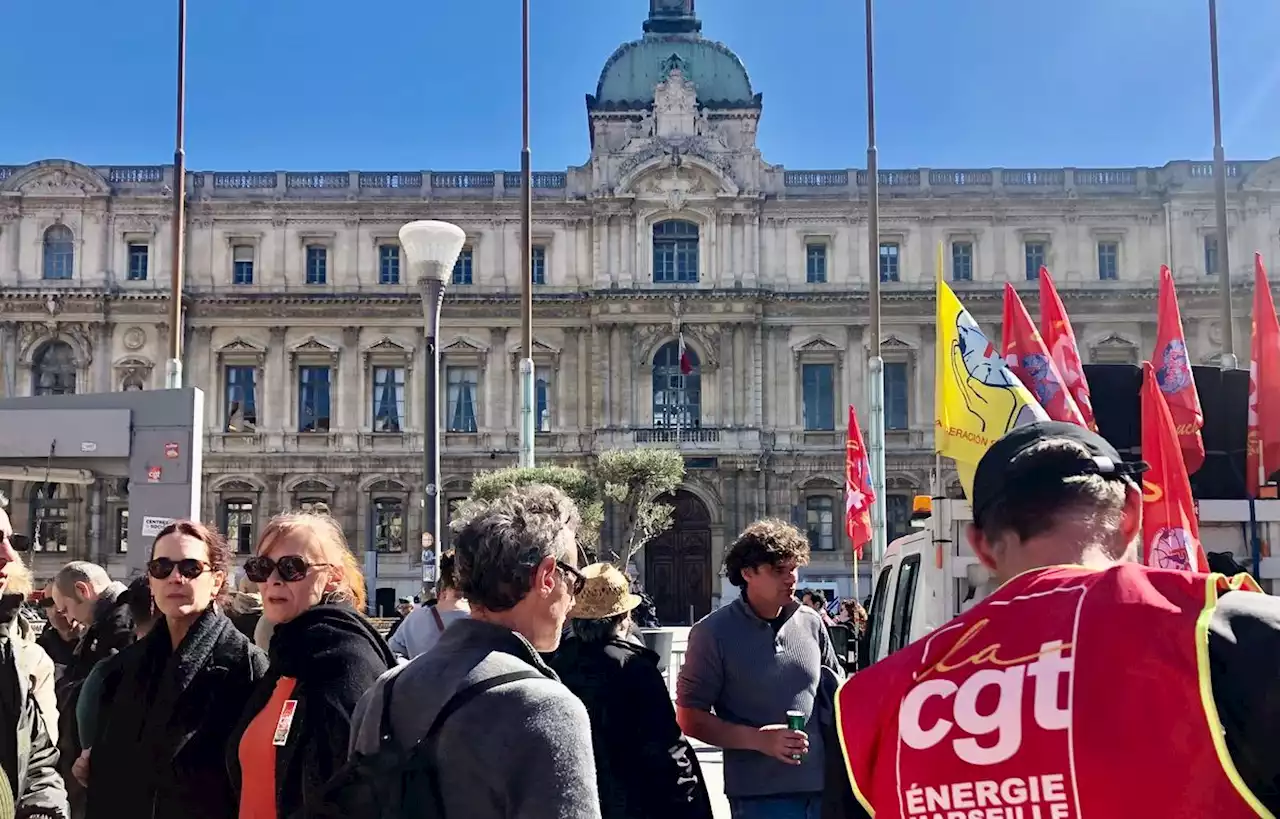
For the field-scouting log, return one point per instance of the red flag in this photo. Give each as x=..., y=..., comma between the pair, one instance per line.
x=1058, y=336
x=1173, y=375
x=858, y=494
x=686, y=361
x=1170, y=532
x=1026, y=354
x=1264, y=384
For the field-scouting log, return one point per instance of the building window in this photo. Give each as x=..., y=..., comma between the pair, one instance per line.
x=387, y=524
x=889, y=256
x=1036, y=259
x=1108, y=261
x=49, y=528
x=314, y=506
x=675, y=252
x=677, y=397
x=820, y=522
x=313, y=399
x=59, y=252
x=541, y=400
x=242, y=264
x=897, y=517
x=241, y=399
x=818, y=394
x=317, y=264
x=388, y=264
x=538, y=264
x=895, y=395
x=461, y=386
x=138, y=257
x=237, y=522
x=815, y=263
x=462, y=269
x=388, y=399
x=122, y=531
x=53, y=372
x=1211, y=254
x=962, y=261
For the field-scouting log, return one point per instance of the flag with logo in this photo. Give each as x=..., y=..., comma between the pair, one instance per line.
x=1170, y=531
x=1263, y=458
x=977, y=398
x=1173, y=375
x=1026, y=354
x=686, y=361
x=858, y=494
x=1055, y=329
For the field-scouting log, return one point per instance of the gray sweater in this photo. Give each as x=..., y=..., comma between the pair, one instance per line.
x=520, y=750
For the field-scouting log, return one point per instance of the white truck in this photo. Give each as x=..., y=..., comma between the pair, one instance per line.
x=930, y=576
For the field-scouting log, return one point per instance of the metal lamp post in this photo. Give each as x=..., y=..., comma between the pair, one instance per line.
x=1220, y=200
x=875, y=367
x=431, y=249
x=173, y=367
x=527, y=399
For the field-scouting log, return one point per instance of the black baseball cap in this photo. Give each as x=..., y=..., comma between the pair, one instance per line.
x=998, y=477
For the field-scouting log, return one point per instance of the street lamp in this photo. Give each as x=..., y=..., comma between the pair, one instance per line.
x=875, y=366
x=431, y=249
x=173, y=367
x=1220, y=200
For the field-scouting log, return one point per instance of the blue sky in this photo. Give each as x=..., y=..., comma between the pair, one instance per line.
x=432, y=84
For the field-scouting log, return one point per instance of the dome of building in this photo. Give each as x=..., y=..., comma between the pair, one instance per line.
x=672, y=31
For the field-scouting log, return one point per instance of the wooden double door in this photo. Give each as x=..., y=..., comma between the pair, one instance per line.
x=678, y=573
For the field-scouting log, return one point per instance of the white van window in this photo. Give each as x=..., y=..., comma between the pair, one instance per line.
x=875, y=617
x=904, y=602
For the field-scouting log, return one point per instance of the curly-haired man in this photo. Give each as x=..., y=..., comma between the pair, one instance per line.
x=750, y=663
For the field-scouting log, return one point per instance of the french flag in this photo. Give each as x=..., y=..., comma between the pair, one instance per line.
x=686, y=363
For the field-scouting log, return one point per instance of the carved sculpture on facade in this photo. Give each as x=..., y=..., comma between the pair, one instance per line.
x=675, y=103
x=133, y=374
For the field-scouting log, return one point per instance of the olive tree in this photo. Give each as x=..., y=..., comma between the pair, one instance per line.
x=633, y=480
x=581, y=487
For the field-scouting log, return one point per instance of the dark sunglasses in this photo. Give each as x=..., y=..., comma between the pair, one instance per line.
x=576, y=579
x=188, y=567
x=291, y=568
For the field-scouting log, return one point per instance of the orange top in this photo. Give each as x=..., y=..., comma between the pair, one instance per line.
x=258, y=753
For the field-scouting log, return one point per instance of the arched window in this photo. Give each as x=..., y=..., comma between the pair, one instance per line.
x=59, y=252
x=677, y=395
x=237, y=522
x=820, y=522
x=386, y=516
x=675, y=251
x=53, y=372
x=49, y=527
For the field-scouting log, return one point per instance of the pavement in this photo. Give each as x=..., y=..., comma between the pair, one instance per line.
x=712, y=762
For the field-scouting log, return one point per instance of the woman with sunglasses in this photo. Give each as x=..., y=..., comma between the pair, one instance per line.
x=324, y=654
x=169, y=704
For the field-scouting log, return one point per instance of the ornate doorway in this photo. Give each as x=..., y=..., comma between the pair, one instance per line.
x=677, y=563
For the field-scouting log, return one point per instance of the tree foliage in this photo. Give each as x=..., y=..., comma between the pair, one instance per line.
x=630, y=479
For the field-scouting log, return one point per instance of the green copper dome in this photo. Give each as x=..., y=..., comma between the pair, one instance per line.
x=672, y=31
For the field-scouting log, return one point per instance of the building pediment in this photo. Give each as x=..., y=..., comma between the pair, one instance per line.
x=1265, y=178
x=465, y=345
x=664, y=173
x=57, y=178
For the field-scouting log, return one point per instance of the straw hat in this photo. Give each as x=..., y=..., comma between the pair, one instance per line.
x=606, y=594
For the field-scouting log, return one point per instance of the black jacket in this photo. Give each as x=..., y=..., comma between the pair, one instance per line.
x=160, y=748
x=335, y=655
x=28, y=747
x=111, y=632
x=645, y=767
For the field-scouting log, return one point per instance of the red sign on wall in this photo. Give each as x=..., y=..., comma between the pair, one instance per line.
x=171, y=449
x=153, y=474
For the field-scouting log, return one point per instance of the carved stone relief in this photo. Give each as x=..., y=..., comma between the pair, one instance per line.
x=135, y=338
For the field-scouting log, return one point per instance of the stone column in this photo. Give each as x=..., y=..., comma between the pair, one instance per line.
x=505, y=400
x=200, y=371
x=9, y=358
x=351, y=388
x=599, y=270
x=96, y=551
x=277, y=413
x=751, y=275
x=757, y=375
x=627, y=406
x=727, y=374
x=599, y=375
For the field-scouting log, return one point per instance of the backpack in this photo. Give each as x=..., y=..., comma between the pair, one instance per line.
x=390, y=783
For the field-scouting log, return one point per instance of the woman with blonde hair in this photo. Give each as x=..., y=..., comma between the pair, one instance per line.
x=324, y=655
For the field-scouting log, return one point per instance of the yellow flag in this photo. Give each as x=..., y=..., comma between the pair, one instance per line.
x=977, y=398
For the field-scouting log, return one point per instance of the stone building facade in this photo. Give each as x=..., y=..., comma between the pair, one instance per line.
x=305, y=332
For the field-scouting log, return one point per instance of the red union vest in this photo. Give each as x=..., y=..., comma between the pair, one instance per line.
x=1069, y=693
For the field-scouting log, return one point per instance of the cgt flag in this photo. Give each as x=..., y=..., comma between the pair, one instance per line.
x=858, y=494
x=1173, y=375
x=1058, y=336
x=1170, y=532
x=1025, y=353
x=1264, y=384
x=977, y=399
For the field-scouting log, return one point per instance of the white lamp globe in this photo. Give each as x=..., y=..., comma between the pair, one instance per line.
x=432, y=247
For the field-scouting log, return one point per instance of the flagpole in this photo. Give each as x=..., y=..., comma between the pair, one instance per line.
x=875, y=366
x=1220, y=196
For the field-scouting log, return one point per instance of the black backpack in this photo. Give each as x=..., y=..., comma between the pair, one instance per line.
x=391, y=783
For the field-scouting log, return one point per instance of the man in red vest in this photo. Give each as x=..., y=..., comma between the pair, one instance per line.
x=1087, y=685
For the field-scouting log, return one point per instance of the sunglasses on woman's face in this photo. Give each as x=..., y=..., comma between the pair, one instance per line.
x=291, y=568
x=188, y=567
x=577, y=580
